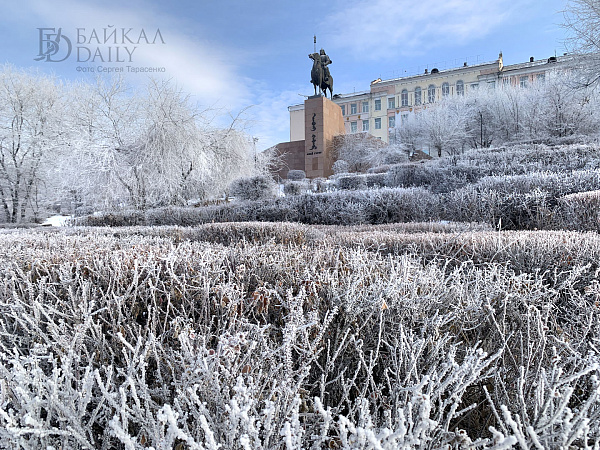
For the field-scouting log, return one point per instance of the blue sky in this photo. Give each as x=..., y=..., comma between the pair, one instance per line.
x=252, y=55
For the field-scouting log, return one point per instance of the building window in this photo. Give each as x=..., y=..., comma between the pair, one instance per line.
x=353, y=127
x=377, y=104
x=506, y=81
x=365, y=125
x=365, y=107
x=445, y=89
x=404, y=97
x=343, y=110
x=378, y=123
x=404, y=118
x=391, y=102
x=431, y=93
x=417, y=96
x=523, y=81
x=460, y=88
x=540, y=77
x=353, y=108
x=391, y=122
x=492, y=85
x=475, y=86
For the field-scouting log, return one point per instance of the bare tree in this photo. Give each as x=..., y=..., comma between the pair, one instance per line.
x=30, y=114
x=409, y=132
x=154, y=147
x=567, y=108
x=360, y=150
x=582, y=20
x=445, y=126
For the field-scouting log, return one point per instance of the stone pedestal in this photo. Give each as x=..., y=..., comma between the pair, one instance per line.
x=322, y=120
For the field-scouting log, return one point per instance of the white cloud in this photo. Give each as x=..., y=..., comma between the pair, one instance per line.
x=210, y=73
x=377, y=28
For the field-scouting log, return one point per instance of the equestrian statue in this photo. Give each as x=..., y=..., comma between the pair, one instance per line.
x=319, y=75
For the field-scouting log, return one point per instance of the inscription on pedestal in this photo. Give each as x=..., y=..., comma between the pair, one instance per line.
x=323, y=119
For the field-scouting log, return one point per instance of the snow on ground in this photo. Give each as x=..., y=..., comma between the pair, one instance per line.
x=57, y=221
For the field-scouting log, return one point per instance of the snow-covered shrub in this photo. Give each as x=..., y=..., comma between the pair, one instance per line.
x=114, y=219
x=512, y=211
x=340, y=166
x=295, y=187
x=580, y=211
x=402, y=205
x=519, y=159
x=372, y=206
x=438, y=178
x=136, y=339
x=528, y=201
x=320, y=184
x=519, y=201
x=380, y=169
x=375, y=180
x=392, y=154
x=351, y=182
x=401, y=175
x=296, y=175
x=253, y=188
x=329, y=208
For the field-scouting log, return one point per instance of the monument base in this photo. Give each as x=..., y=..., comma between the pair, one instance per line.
x=323, y=121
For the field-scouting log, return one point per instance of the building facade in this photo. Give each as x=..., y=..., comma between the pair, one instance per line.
x=388, y=103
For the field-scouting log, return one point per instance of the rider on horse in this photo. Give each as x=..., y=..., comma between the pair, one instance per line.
x=320, y=76
x=325, y=61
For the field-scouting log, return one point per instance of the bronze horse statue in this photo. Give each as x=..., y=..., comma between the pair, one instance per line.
x=319, y=76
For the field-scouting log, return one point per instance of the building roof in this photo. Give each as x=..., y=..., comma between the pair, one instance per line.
x=429, y=73
x=538, y=62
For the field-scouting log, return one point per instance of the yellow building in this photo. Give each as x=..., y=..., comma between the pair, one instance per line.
x=376, y=111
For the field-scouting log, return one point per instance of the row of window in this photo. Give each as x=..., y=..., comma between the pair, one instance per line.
x=365, y=106
x=419, y=94
x=365, y=124
x=460, y=90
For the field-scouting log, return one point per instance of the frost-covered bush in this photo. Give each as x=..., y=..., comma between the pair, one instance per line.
x=257, y=187
x=519, y=201
x=375, y=180
x=320, y=184
x=372, y=206
x=513, y=211
x=380, y=169
x=295, y=187
x=401, y=175
x=580, y=211
x=437, y=178
x=402, y=205
x=555, y=183
x=296, y=175
x=351, y=182
x=392, y=154
x=114, y=219
x=120, y=340
x=519, y=159
x=329, y=208
x=340, y=166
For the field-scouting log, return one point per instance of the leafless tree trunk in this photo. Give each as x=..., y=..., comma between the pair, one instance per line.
x=582, y=20
x=29, y=132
